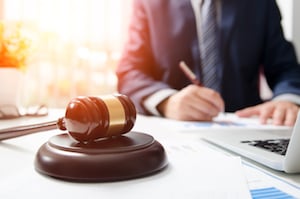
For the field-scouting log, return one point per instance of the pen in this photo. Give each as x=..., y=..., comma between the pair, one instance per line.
x=192, y=77
x=186, y=70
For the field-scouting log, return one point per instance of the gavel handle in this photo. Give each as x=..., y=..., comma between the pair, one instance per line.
x=13, y=132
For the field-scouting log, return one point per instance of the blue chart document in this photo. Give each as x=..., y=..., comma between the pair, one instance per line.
x=270, y=192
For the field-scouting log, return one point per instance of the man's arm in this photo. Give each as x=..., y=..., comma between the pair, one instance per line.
x=136, y=71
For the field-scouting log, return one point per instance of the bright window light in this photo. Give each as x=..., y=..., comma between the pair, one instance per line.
x=78, y=46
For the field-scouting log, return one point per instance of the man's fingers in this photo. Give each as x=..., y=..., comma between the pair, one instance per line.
x=281, y=112
x=248, y=112
x=212, y=97
x=290, y=118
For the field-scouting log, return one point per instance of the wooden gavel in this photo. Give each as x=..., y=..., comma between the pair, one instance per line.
x=87, y=119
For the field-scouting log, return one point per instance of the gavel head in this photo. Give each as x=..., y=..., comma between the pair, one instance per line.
x=90, y=118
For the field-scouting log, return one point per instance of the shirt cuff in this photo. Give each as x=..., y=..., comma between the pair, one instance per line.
x=155, y=99
x=288, y=97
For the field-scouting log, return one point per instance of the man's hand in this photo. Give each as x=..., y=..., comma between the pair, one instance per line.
x=281, y=112
x=193, y=103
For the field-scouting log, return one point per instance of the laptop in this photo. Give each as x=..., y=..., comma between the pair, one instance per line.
x=278, y=149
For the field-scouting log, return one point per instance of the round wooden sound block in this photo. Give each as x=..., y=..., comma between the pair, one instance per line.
x=131, y=155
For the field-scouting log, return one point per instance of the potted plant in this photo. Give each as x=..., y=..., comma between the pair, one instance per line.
x=15, y=48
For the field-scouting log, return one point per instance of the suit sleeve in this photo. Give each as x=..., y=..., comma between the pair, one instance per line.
x=280, y=62
x=137, y=72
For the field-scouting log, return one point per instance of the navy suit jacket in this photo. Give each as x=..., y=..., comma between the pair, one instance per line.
x=163, y=32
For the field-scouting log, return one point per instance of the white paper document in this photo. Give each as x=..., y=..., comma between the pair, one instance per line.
x=222, y=121
x=208, y=177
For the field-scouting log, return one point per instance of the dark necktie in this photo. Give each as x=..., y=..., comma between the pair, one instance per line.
x=208, y=44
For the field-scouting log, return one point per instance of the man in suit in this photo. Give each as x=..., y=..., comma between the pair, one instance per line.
x=250, y=42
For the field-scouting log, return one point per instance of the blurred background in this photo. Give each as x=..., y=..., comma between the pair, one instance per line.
x=77, y=46
x=79, y=42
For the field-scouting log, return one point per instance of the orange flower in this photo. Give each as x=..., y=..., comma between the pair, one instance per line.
x=15, y=45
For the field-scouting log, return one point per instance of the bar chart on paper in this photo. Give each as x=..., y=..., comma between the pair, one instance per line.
x=269, y=192
x=264, y=185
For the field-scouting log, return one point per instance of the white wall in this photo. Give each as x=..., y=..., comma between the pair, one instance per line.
x=286, y=8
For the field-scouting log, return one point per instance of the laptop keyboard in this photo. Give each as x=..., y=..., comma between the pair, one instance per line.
x=278, y=146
